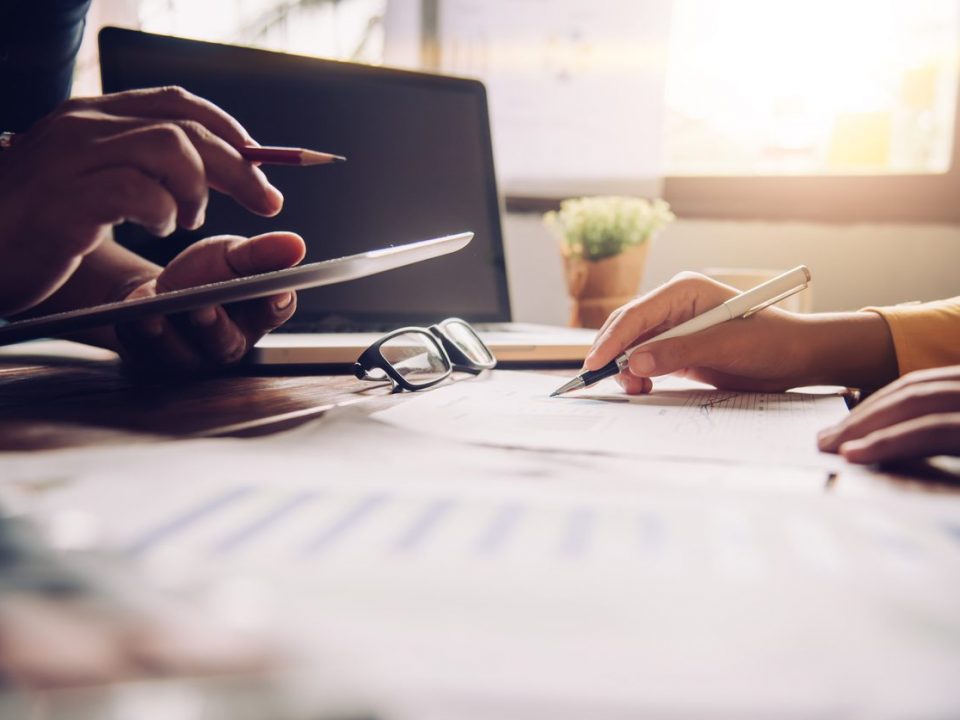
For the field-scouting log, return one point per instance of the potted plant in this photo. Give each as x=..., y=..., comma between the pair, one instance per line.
x=604, y=243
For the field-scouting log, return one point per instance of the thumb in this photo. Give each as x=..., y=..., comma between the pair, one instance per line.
x=227, y=257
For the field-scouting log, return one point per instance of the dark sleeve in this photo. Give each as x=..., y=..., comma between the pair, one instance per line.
x=39, y=40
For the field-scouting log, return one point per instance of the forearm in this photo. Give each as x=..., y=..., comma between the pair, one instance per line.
x=106, y=275
x=853, y=349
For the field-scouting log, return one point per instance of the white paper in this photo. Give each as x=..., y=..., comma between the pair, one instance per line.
x=513, y=409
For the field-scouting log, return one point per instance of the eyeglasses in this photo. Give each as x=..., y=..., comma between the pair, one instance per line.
x=414, y=358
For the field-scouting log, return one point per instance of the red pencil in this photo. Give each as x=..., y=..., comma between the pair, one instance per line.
x=288, y=156
x=259, y=154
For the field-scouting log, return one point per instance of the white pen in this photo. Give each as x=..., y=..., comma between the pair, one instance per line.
x=740, y=306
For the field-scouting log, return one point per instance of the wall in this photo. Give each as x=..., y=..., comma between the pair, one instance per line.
x=852, y=265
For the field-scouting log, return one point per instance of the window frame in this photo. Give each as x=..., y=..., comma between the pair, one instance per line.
x=906, y=198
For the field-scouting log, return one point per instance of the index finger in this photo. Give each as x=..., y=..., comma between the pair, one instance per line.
x=173, y=103
x=624, y=328
x=678, y=300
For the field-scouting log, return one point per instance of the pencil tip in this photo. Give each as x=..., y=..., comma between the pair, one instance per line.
x=313, y=157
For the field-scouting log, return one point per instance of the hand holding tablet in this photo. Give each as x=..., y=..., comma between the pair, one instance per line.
x=316, y=274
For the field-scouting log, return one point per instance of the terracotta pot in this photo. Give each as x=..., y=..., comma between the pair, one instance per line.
x=598, y=287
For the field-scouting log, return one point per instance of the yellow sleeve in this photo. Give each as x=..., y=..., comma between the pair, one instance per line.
x=925, y=335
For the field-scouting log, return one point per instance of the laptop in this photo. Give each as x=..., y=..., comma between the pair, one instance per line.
x=420, y=164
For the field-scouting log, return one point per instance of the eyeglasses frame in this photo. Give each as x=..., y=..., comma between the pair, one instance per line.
x=454, y=358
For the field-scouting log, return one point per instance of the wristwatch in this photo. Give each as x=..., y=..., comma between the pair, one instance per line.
x=6, y=140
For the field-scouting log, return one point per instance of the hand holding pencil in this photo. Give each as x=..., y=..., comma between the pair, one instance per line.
x=147, y=157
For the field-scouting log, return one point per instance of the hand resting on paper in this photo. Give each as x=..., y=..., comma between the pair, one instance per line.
x=916, y=416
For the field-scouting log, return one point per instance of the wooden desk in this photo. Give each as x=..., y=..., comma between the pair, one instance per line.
x=81, y=397
x=59, y=394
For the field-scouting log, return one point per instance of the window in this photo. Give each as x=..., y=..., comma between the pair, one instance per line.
x=839, y=110
x=338, y=29
x=819, y=87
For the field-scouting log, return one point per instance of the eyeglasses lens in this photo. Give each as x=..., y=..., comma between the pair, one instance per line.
x=463, y=336
x=416, y=357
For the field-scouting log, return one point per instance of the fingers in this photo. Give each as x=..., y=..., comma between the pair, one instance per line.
x=906, y=403
x=611, y=318
x=623, y=330
x=213, y=334
x=238, y=329
x=227, y=257
x=708, y=348
x=163, y=152
x=115, y=195
x=917, y=438
x=950, y=373
x=683, y=297
x=212, y=337
x=155, y=343
x=227, y=172
x=204, y=339
x=172, y=103
x=199, y=341
x=634, y=385
x=201, y=124
x=258, y=317
x=263, y=253
x=186, y=157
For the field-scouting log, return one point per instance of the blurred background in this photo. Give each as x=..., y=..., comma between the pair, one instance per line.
x=821, y=132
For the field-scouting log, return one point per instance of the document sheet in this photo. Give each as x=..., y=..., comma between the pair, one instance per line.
x=680, y=419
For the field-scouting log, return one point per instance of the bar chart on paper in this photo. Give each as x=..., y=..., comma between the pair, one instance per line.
x=331, y=525
x=503, y=586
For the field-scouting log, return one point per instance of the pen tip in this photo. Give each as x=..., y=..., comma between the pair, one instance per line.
x=577, y=382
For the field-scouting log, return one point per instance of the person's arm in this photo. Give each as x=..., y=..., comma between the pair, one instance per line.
x=108, y=274
x=925, y=335
x=39, y=42
x=771, y=351
x=201, y=339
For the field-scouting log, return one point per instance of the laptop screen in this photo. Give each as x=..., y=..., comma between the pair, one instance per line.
x=420, y=165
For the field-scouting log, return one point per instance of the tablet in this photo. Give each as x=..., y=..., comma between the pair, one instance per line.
x=328, y=272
